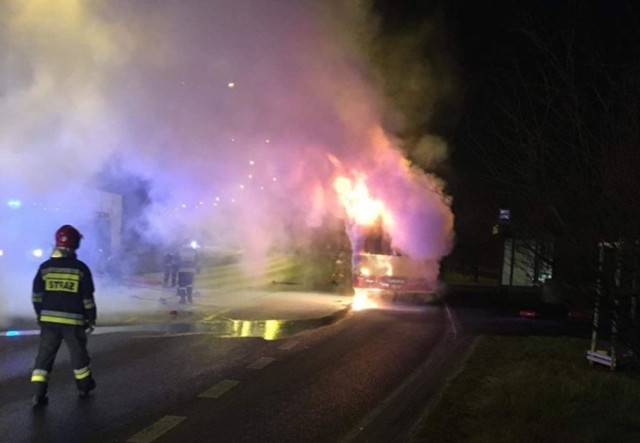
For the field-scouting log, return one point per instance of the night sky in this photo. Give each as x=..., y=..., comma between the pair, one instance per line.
x=543, y=119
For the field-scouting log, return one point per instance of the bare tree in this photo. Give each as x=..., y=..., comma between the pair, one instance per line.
x=567, y=142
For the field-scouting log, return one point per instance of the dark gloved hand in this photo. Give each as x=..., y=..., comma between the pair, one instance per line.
x=89, y=326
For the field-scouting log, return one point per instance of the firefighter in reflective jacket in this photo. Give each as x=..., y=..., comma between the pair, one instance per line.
x=63, y=300
x=187, y=269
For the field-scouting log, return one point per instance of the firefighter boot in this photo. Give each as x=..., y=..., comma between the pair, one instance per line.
x=85, y=386
x=189, y=295
x=40, y=397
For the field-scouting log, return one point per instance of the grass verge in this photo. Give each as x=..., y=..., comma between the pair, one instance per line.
x=535, y=389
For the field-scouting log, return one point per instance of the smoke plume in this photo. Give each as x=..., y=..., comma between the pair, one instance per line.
x=226, y=110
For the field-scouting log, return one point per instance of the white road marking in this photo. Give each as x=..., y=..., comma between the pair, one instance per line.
x=157, y=429
x=218, y=390
x=261, y=363
x=289, y=344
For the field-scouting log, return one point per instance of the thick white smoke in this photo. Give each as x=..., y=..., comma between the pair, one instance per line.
x=226, y=109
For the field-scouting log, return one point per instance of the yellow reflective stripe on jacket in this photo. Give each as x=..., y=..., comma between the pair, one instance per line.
x=88, y=303
x=60, y=320
x=36, y=297
x=62, y=314
x=54, y=270
x=64, y=318
x=79, y=374
x=64, y=274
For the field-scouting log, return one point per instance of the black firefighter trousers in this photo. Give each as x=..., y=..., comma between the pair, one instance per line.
x=185, y=286
x=51, y=336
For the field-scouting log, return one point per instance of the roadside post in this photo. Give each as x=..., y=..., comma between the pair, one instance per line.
x=595, y=355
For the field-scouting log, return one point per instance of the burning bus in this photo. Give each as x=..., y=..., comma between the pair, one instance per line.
x=381, y=274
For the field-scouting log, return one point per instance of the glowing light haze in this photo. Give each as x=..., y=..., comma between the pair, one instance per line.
x=230, y=110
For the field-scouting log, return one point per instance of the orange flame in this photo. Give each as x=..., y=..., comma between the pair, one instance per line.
x=363, y=209
x=362, y=300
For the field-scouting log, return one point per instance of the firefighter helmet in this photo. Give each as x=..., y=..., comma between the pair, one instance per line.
x=68, y=237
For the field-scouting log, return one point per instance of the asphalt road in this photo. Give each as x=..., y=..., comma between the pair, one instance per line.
x=364, y=378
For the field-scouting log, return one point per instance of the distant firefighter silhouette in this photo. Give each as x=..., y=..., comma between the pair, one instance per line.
x=187, y=269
